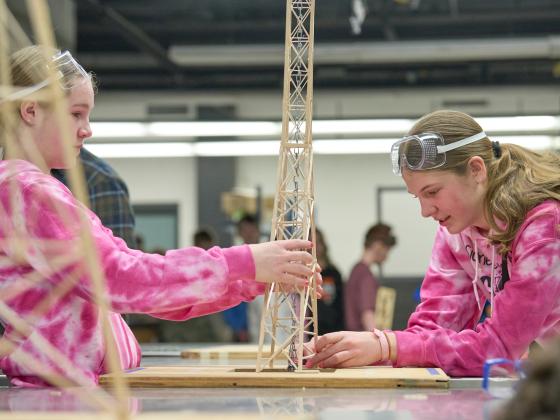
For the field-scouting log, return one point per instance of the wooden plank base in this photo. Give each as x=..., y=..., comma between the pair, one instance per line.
x=241, y=376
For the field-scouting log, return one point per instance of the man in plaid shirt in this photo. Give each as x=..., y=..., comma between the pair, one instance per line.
x=108, y=196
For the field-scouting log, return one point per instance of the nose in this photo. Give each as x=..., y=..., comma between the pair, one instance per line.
x=85, y=131
x=426, y=209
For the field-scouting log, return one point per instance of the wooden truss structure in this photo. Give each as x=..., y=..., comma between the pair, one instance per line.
x=22, y=247
x=289, y=316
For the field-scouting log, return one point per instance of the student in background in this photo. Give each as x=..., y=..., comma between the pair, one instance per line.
x=244, y=319
x=182, y=284
x=361, y=288
x=204, y=238
x=498, y=240
x=330, y=309
x=108, y=196
x=204, y=329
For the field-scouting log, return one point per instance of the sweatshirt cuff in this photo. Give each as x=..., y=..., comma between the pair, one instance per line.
x=410, y=349
x=241, y=265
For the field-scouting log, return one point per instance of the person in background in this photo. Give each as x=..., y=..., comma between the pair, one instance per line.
x=108, y=196
x=360, y=292
x=330, y=309
x=181, y=284
x=244, y=319
x=204, y=238
x=498, y=241
x=204, y=329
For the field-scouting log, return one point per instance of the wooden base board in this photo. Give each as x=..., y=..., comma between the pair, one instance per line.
x=240, y=376
x=224, y=352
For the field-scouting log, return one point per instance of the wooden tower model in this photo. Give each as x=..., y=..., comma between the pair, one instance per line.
x=289, y=316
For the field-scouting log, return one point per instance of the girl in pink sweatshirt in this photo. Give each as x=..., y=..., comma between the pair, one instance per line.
x=182, y=284
x=498, y=241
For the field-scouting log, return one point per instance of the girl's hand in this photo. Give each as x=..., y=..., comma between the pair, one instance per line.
x=345, y=349
x=284, y=262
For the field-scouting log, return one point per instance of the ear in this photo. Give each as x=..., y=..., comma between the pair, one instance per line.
x=28, y=112
x=477, y=169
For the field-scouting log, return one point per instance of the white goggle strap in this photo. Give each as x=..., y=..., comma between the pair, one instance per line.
x=455, y=145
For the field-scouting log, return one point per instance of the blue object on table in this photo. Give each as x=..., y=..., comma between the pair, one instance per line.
x=514, y=369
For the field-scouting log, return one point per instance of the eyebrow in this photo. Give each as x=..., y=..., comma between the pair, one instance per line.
x=81, y=105
x=423, y=188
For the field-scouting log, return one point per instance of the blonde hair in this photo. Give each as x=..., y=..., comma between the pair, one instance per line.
x=518, y=180
x=28, y=67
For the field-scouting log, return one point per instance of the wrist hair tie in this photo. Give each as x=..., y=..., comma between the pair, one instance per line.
x=497, y=149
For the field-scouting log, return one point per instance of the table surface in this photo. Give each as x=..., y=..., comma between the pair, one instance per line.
x=463, y=400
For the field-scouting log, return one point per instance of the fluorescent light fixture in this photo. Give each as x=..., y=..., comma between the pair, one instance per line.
x=237, y=148
x=352, y=146
x=119, y=129
x=539, y=124
x=385, y=126
x=524, y=124
x=272, y=148
x=530, y=142
x=214, y=129
x=140, y=150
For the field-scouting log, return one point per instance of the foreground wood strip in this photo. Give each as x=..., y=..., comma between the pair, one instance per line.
x=162, y=415
x=242, y=376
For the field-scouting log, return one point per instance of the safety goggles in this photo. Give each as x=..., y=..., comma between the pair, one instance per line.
x=425, y=151
x=68, y=72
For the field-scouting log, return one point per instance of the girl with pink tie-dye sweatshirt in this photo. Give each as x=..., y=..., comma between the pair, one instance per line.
x=182, y=284
x=498, y=241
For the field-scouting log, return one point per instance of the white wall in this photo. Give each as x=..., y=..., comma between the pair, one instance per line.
x=163, y=181
x=345, y=193
x=345, y=190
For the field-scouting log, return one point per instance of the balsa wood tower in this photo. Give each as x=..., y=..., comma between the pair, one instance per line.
x=289, y=316
x=21, y=247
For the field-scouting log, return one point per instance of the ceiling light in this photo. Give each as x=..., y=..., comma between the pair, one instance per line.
x=538, y=124
x=272, y=148
x=140, y=150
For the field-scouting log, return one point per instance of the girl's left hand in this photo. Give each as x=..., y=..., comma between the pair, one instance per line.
x=344, y=349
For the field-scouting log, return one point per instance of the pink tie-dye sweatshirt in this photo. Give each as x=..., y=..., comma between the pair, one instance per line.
x=184, y=283
x=444, y=330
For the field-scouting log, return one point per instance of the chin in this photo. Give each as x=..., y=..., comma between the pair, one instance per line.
x=454, y=230
x=64, y=165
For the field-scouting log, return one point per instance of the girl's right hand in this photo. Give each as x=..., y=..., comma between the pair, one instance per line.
x=285, y=261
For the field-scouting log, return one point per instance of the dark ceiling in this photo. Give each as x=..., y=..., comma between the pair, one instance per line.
x=126, y=42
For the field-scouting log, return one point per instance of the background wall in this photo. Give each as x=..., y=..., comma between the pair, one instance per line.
x=345, y=202
x=163, y=181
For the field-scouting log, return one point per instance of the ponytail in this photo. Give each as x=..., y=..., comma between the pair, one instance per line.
x=518, y=180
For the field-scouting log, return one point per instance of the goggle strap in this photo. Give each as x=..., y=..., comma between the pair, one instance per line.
x=455, y=145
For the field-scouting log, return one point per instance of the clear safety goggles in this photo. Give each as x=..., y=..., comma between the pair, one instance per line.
x=425, y=151
x=69, y=73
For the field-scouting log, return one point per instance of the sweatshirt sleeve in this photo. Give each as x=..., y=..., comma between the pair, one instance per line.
x=521, y=310
x=179, y=285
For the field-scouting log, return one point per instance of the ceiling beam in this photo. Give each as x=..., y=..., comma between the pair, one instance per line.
x=137, y=37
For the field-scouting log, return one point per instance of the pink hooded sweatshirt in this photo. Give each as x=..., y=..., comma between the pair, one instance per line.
x=444, y=330
x=184, y=283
